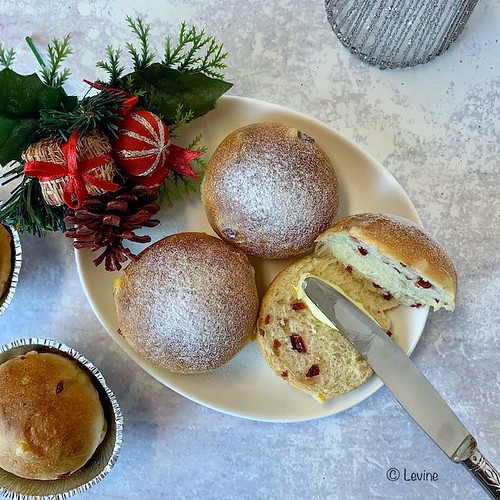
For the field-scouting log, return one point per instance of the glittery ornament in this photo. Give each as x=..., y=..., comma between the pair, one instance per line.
x=141, y=147
x=143, y=150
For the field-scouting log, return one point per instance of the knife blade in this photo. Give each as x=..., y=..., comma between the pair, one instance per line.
x=403, y=379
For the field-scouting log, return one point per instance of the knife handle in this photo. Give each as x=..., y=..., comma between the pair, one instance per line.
x=484, y=473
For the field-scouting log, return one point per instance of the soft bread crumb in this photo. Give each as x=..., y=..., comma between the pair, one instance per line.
x=316, y=359
x=396, y=255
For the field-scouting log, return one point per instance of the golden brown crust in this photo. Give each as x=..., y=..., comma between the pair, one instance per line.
x=51, y=418
x=5, y=259
x=270, y=190
x=404, y=241
x=188, y=304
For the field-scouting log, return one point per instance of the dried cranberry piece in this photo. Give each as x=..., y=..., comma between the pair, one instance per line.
x=422, y=283
x=387, y=296
x=284, y=374
x=267, y=319
x=276, y=346
x=362, y=251
x=298, y=343
x=298, y=305
x=416, y=305
x=313, y=371
x=349, y=269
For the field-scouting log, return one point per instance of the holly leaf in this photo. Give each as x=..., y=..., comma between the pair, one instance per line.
x=167, y=88
x=16, y=134
x=23, y=96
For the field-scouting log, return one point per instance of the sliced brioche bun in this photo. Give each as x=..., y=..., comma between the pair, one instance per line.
x=395, y=254
x=329, y=366
x=269, y=190
x=51, y=418
x=188, y=304
x=5, y=259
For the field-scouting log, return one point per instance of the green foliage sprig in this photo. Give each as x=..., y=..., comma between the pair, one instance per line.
x=26, y=209
x=57, y=51
x=112, y=66
x=185, y=55
x=96, y=111
x=6, y=57
x=145, y=57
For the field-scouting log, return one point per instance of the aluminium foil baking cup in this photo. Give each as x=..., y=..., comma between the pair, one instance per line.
x=17, y=257
x=104, y=458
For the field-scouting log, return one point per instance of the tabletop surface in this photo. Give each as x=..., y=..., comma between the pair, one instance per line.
x=434, y=127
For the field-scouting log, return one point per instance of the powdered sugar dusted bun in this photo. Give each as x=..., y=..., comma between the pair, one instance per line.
x=398, y=256
x=270, y=190
x=188, y=304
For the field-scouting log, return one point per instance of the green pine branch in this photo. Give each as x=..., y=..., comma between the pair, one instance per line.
x=181, y=118
x=112, y=65
x=6, y=57
x=95, y=112
x=145, y=57
x=26, y=210
x=57, y=51
x=195, y=52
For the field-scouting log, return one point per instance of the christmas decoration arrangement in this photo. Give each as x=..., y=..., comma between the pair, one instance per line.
x=99, y=167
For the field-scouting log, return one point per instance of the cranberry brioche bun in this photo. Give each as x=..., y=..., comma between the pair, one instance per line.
x=303, y=351
x=188, y=304
x=269, y=190
x=379, y=261
x=51, y=417
x=396, y=254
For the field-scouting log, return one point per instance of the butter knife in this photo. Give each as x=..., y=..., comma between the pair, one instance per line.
x=405, y=381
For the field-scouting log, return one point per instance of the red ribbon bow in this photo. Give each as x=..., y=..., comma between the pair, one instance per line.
x=75, y=190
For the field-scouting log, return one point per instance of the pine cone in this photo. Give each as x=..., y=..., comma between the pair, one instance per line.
x=106, y=220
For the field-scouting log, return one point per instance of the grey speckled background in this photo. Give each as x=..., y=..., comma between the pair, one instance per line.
x=436, y=128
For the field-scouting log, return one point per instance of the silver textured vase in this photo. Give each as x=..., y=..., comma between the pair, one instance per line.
x=398, y=33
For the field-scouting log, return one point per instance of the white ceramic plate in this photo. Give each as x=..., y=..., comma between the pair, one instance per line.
x=246, y=387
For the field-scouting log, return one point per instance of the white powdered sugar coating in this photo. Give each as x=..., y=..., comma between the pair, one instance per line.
x=188, y=304
x=270, y=190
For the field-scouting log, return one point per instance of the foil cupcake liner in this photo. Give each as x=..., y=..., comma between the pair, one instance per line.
x=104, y=458
x=17, y=255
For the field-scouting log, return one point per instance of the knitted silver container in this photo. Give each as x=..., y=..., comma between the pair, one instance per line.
x=398, y=33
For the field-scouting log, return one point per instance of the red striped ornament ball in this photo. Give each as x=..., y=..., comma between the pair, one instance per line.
x=141, y=146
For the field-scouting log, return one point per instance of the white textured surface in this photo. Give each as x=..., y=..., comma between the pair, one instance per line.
x=436, y=128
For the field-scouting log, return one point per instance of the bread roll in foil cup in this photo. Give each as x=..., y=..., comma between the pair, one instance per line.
x=104, y=457
x=15, y=258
